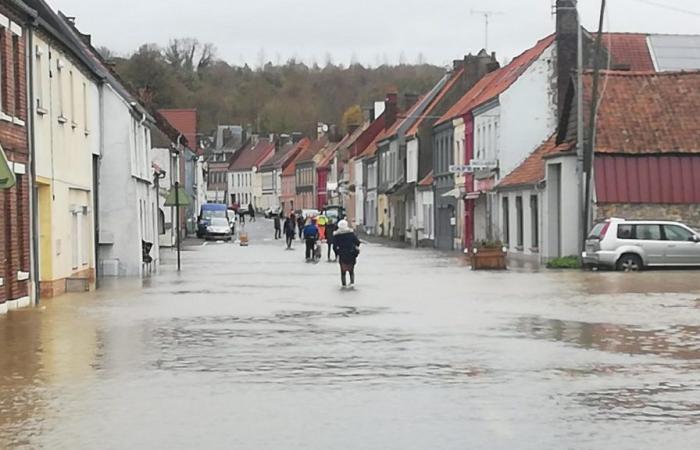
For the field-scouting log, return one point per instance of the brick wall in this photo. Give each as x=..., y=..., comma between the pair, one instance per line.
x=689, y=214
x=14, y=202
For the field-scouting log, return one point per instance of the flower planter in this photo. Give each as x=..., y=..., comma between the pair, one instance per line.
x=488, y=259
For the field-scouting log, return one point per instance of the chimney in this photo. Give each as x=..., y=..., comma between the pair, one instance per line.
x=475, y=67
x=409, y=100
x=391, y=110
x=297, y=136
x=352, y=128
x=567, y=47
x=457, y=64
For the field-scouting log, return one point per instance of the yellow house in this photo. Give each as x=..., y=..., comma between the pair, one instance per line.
x=66, y=146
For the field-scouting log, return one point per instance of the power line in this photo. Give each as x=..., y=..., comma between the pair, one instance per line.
x=669, y=7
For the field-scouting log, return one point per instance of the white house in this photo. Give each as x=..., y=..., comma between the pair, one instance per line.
x=244, y=184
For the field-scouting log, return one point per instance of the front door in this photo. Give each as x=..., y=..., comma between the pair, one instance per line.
x=681, y=250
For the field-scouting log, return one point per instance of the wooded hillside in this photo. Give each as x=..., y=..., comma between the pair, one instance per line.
x=272, y=98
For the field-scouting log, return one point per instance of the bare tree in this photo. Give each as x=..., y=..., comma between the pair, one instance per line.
x=189, y=54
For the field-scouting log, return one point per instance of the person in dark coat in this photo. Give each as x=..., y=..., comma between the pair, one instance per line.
x=330, y=230
x=278, y=226
x=290, y=229
x=251, y=212
x=347, y=247
x=300, y=225
x=310, y=236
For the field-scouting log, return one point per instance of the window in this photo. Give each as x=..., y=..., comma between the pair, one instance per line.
x=71, y=92
x=3, y=79
x=17, y=75
x=519, y=220
x=625, y=232
x=649, y=232
x=86, y=125
x=506, y=221
x=676, y=233
x=535, y=222
x=59, y=88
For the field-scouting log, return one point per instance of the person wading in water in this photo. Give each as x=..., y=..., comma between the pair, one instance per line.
x=347, y=247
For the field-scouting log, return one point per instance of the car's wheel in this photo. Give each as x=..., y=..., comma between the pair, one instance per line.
x=630, y=263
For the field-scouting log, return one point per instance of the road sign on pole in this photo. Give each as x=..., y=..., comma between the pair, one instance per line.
x=177, y=197
x=7, y=176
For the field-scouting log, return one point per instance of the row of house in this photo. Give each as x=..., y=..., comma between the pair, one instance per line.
x=83, y=162
x=492, y=153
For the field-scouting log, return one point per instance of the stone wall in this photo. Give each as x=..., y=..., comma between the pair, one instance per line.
x=689, y=214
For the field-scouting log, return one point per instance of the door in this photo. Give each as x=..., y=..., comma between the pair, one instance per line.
x=650, y=239
x=45, y=239
x=681, y=249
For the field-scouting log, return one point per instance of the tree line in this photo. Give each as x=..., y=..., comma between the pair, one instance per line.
x=271, y=98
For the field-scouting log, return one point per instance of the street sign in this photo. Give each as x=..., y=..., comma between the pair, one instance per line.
x=7, y=176
x=174, y=197
x=473, y=166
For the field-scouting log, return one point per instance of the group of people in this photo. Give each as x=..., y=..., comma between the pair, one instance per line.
x=340, y=239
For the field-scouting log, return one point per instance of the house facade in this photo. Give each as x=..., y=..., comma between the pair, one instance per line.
x=16, y=287
x=244, y=185
x=67, y=139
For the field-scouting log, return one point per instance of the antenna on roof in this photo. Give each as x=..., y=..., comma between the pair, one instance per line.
x=487, y=17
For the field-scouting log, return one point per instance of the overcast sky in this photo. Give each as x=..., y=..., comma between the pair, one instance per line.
x=370, y=31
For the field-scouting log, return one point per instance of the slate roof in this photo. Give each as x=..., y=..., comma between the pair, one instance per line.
x=454, y=78
x=495, y=83
x=647, y=113
x=251, y=156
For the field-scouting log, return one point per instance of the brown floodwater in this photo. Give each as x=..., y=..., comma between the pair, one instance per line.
x=253, y=348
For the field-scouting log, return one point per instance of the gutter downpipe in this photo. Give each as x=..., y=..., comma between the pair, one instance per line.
x=33, y=190
x=96, y=187
x=580, y=134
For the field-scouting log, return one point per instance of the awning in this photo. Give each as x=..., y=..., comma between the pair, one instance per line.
x=456, y=193
x=404, y=189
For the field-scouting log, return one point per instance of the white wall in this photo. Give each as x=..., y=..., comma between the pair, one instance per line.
x=568, y=232
x=530, y=247
x=359, y=193
x=241, y=183
x=127, y=198
x=528, y=113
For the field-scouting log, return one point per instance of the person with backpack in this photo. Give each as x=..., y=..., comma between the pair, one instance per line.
x=347, y=247
x=310, y=237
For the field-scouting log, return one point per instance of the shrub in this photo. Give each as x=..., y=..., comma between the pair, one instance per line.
x=567, y=262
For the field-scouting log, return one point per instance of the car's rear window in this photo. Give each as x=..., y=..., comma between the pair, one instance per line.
x=597, y=230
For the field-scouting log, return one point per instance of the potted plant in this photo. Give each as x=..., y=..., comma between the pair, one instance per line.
x=489, y=255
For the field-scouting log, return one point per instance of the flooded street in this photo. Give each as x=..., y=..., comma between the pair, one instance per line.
x=252, y=348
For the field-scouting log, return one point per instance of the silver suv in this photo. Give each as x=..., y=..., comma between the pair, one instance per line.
x=631, y=245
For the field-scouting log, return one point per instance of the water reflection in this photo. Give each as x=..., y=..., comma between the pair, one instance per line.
x=673, y=341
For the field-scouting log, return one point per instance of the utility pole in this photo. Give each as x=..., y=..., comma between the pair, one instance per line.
x=487, y=17
x=589, y=149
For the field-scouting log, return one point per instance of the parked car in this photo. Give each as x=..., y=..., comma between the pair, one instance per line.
x=272, y=212
x=219, y=229
x=208, y=212
x=632, y=245
x=334, y=212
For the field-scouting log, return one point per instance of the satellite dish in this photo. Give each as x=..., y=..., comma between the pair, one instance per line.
x=325, y=128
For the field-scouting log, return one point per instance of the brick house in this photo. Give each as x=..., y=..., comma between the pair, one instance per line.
x=15, y=261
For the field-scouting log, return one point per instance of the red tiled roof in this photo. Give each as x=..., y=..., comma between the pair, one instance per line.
x=496, y=82
x=252, y=156
x=312, y=150
x=185, y=121
x=630, y=49
x=647, y=113
x=436, y=101
x=403, y=118
x=531, y=171
x=373, y=146
x=427, y=181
